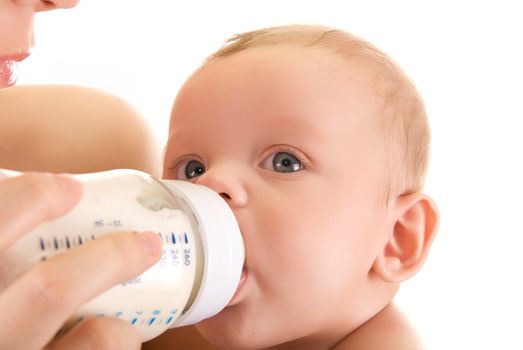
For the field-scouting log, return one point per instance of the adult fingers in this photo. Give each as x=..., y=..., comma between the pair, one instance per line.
x=99, y=334
x=44, y=298
x=30, y=199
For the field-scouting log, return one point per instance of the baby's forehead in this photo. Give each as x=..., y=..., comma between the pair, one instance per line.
x=288, y=67
x=283, y=90
x=287, y=77
x=292, y=67
x=291, y=59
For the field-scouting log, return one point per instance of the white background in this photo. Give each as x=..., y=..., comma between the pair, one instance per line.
x=464, y=56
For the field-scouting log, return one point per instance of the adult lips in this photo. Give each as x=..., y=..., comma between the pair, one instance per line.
x=8, y=68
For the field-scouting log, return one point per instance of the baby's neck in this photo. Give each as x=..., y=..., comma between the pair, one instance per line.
x=388, y=329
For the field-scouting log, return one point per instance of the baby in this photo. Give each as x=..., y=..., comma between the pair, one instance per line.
x=319, y=143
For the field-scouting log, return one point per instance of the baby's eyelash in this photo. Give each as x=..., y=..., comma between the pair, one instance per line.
x=288, y=149
x=175, y=164
x=291, y=151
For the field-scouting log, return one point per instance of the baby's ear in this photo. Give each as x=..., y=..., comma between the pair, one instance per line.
x=415, y=222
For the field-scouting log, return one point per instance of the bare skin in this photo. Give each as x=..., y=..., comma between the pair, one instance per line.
x=63, y=129
x=68, y=129
x=233, y=141
x=179, y=338
x=73, y=130
x=388, y=329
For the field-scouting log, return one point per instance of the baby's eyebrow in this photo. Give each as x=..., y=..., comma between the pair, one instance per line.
x=294, y=130
x=295, y=125
x=175, y=134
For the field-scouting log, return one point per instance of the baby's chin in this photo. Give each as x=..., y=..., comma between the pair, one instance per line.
x=223, y=335
x=224, y=332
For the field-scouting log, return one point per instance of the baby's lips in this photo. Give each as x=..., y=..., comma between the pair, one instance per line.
x=243, y=277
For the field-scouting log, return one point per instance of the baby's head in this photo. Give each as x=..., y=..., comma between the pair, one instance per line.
x=319, y=143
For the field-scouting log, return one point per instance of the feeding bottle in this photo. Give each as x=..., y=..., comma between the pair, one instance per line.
x=202, y=257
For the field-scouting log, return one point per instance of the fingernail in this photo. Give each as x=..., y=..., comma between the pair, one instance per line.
x=150, y=242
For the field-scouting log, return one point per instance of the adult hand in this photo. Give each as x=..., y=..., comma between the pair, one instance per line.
x=36, y=305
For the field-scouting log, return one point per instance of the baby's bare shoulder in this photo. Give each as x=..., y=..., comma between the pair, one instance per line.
x=389, y=329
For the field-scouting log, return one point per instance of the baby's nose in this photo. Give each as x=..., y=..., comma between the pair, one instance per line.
x=230, y=189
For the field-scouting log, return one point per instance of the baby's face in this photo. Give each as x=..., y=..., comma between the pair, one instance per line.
x=289, y=137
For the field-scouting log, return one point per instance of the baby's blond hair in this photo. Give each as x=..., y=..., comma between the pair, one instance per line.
x=404, y=123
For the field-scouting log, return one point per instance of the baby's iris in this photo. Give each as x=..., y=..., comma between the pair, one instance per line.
x=193, y=169
x=283, y=162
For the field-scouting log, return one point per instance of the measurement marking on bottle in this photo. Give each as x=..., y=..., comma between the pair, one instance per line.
x=169, y=320
x=151, y=321
x=186, y=239
x=133, y=321
x=58, y=243
x=173, y=238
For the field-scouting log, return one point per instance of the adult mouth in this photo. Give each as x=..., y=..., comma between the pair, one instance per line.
x=8, y=67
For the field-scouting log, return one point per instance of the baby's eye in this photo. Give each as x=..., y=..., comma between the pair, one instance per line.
x=282, y=162
x=189, y=169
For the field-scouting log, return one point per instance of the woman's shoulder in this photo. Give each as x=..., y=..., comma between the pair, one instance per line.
x=75, y=129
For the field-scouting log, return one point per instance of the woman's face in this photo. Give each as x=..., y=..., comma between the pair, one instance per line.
x=16, y=26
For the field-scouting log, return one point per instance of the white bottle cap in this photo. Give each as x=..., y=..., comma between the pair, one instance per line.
x=223, y=250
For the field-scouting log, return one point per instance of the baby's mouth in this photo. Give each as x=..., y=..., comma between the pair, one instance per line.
x=243, y=278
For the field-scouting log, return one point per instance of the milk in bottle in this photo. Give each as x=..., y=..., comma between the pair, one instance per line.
x=202, y=258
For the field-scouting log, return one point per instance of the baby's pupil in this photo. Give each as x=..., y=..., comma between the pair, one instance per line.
x=194, y=168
